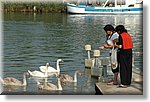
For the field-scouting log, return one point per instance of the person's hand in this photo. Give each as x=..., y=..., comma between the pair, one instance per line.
x=115, y=45
x=101, y=47
x=105, y=45
x=118, y=46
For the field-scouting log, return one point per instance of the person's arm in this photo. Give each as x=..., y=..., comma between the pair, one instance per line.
x=101, y=47
x=119, y=43
x=118, y=46
x=106, y=46
x=109, y=46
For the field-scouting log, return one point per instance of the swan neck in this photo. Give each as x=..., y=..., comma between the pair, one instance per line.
x=75, y=77
x=59, y=84
x=57, y=66
x=24, y=80
x=2, y=81
x=46, y=71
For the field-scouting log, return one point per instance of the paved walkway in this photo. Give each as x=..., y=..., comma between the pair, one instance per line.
x=136, y=87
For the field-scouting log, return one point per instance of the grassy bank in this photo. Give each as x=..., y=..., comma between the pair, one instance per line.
x=35, y=7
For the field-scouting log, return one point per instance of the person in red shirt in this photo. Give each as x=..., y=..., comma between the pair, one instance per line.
x=125, y=46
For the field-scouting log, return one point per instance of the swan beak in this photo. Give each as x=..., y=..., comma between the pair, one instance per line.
x=57, y=75
x=80, y=74
x=27, y=74
x=62, y=60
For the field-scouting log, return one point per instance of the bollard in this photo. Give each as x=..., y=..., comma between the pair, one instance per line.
x=96, y=55
x=88, y=49
x=104, y=71
x=89, y=63
x=105, y=63
x=96, y=71
x=104, y=76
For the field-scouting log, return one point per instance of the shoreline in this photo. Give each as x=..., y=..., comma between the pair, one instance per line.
x=37, y=7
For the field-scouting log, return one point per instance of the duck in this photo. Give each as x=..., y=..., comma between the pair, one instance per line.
x=39, y=73
x=67, y=78
x=52, y=69
x=11, y=81
x=49, y=86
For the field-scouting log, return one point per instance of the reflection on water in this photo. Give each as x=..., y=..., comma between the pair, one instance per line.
x=31, y=40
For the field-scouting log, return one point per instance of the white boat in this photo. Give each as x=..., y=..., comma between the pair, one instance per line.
x=82, y=9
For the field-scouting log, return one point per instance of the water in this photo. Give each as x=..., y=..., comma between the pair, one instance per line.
x=31, y=40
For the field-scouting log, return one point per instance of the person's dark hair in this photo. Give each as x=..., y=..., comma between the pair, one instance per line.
x=120, y=29
x=109, y=27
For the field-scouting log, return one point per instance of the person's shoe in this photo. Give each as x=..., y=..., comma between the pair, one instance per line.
x=115, y=83
x=112, y=83
x=122, y=86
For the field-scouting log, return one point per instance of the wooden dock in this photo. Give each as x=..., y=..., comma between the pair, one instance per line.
x=136, y=87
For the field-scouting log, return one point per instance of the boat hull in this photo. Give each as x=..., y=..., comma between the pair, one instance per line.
x=71, y=8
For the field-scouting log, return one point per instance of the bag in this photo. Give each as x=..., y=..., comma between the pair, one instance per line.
x=113, y=58
x=109, y=42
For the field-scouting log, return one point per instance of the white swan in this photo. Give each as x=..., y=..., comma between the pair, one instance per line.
x=13, y=81
x=51, y=69
x=68, y=78
x=39, y=73
x=50, y=86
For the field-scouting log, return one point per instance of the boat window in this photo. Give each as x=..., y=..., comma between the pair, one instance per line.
x=132, y=5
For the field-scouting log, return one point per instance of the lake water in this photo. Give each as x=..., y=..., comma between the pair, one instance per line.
x=31, y=40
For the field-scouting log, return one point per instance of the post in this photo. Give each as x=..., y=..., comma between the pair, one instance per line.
x=104, y=76
x=115, y=3
x=88, y=49
x=105, y=3
x=96, y=71
x=34, y=9
x=89, y=56
x=89, y=62
x=105, y=63
x=104, y=71
x=96, y=55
